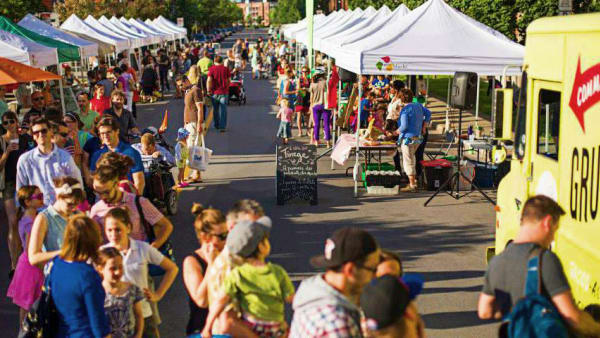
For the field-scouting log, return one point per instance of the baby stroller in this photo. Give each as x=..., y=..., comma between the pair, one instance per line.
x=159, y=184
x=236, y=89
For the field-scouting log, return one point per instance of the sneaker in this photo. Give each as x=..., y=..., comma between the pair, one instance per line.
x=223, y=130
x=183, y=185
x=409, y=188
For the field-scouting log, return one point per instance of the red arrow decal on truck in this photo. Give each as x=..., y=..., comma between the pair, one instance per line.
x=586, y=91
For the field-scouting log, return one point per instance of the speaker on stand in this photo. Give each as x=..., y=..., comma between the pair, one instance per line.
x=463, y=93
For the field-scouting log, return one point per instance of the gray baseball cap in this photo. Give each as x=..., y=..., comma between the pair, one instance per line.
x=244, y=238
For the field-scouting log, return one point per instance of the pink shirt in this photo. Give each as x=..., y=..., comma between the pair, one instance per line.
x=151, y=214
x=286, y=114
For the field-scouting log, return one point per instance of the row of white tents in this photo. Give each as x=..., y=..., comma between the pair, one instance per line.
x=91, y=37
x=434, y=38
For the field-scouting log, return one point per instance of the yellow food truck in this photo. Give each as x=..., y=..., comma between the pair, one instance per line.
x=556, y=148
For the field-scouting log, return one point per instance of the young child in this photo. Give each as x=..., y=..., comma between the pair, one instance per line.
x=26, y=285
x=285, y=114
x=123, y=301
x=181, y=156
x=261, y=289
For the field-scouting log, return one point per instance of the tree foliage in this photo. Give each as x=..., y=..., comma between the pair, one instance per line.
x=17, y=9
x=510, y=17
x=287, y=11
x=142, y=9
x=197, y=14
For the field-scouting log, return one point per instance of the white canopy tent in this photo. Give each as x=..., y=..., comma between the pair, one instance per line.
x=302, y=34
x=86, y=48
x=146, y=40
x=432, y=39
x=141, y=25
x=154, y=39
x=169, y=24
x=364, y=30
x=302, y=26
x=22, y=50
x=178, y=34
x=172, y=35
x=353, y=20
x=134, y=41
x=91, y=21
x=77, y=26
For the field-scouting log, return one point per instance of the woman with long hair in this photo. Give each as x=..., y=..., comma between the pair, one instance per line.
x=47, y=233
x=76, y=287
x=211, y=231
x=12, y=146
x=136, y=257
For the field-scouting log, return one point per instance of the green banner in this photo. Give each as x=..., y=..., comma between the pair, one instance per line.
x=310, y=9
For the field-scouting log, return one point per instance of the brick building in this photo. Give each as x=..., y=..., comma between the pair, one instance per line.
x=256, y=9
x=334, y=5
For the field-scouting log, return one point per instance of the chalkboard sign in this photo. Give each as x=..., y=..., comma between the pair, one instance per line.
x=296, y=173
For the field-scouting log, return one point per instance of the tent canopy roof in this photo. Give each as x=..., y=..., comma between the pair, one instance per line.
x=78, y=26
x=432, y=39
x=12, y=72
x=20, y=49
x=87, y=48
x=66, y=52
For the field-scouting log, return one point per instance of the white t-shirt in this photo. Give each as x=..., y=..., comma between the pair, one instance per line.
x=282, y=51
x=394, y=110
x=135, y=266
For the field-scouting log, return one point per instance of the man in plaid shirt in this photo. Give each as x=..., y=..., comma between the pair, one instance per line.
x=327, y=305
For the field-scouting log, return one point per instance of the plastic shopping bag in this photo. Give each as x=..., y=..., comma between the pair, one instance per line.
x=199, y=156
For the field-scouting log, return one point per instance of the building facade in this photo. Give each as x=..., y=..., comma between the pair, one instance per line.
x=257, y=10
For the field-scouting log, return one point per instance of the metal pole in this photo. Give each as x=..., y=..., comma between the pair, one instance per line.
x=494, y=112
x=448, y=96
x=356, y=152
x=60, y=86
x=477, y=103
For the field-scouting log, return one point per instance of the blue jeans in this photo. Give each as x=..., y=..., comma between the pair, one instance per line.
x=220, y=110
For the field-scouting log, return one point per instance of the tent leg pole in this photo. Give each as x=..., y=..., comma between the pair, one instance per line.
x=477, y=103
x=494, y=112
x=335, y=116
x=448, y=96
x=357, y=152
x=60, y=86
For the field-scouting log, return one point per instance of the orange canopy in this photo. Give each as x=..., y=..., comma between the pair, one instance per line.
x=12, y=72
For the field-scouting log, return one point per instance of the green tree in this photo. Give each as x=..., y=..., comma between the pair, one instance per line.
x=17, y=9
x=286, y=11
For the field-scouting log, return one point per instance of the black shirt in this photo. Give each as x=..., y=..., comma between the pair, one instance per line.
x=26, y=143
x=126, y=122
x=198, y=314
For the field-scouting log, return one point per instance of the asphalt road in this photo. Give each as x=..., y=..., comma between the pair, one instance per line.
x=445, y=241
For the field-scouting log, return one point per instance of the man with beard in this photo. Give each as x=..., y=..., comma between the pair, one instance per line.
x=123, y=116
x=38, y=107
x=326, y=305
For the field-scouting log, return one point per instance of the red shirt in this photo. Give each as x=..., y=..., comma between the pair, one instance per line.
x=220, y=75
x=100, y=105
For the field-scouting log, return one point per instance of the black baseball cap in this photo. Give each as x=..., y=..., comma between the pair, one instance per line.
x=345, y=245
x=383, y=301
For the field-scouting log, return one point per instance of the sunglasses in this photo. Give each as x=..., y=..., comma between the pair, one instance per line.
x=7, y=122
x=64, y=134
x=39, y=98
x=221, y=236
x=40, y=131
x=38, y=196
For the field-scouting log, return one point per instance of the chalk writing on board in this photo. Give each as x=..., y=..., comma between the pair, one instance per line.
x=296, y=173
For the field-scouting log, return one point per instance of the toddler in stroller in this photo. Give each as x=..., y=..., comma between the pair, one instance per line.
x=236, y=88
x=158, y=161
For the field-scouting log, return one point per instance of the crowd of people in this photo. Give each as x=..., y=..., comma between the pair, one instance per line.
x=81, y=222
x=390, y=112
